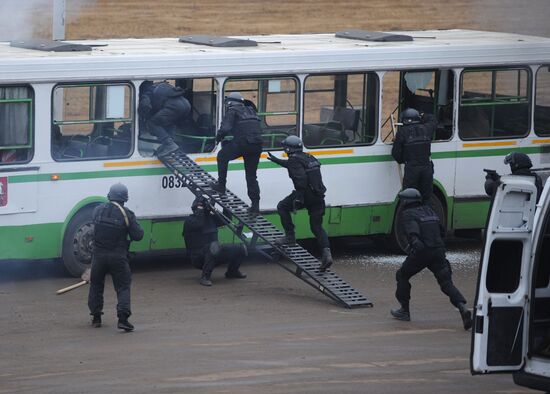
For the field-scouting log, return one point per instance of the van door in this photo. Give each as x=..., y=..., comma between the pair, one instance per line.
x=500, y=331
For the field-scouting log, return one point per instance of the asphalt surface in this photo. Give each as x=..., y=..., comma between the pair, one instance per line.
x=269, y=333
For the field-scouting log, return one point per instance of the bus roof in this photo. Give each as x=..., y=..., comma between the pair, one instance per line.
x=280, y=54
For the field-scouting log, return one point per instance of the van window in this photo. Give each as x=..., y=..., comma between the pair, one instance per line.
x=542, y=102
x=503, y=270
x=92, y=121
x=494, y=104
x=16, y=124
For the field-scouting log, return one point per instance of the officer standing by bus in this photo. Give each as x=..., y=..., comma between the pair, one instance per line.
x=200, y=232
x=412, y=146
x=113, y=225
x=426, y=250
x=161, y=107
x=309, y=192
x=520, y=164
x=242, y=122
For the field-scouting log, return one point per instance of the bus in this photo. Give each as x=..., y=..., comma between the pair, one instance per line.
x=69, y=126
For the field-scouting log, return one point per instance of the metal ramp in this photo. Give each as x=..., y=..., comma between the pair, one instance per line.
x=263, y=233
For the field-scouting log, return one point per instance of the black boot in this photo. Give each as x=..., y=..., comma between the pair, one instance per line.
x=401, y=314
x=254, y=208
x=205, y=280
x=326, y=260
x=218, y=187
x=168, y=146
x=96, y=320
x=288, y=239
x=235, y=275
x=466, y=316
x=124, y=324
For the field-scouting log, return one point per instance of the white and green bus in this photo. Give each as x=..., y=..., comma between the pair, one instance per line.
x=69, y=126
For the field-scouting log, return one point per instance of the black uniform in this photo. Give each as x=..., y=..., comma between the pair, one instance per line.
x=111, y=256
x=200, y=233
x=412, y=146
x=492, y=180
x=427, y=250
x=242, y=122
x=309, y=192
x=161, y=107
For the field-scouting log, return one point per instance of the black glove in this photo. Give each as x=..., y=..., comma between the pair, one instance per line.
x=417, y=246
x=271, y=157
x=219, y=137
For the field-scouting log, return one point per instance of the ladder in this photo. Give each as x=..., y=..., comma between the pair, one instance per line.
x=262, y=233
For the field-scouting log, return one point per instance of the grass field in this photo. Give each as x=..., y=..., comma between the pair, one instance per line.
x=169, y=18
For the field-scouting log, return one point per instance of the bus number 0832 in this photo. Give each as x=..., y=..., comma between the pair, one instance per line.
x=171, y=182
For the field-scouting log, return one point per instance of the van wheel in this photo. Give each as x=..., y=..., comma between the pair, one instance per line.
x=77, y=242
x=397, y=240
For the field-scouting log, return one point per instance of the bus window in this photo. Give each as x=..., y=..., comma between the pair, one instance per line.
x=428, y=91
x=494, y=104
x=196, y=132
x=277, y=104
x=542, y=102
x=340, y=109
x=92, y=121
x=16, y=124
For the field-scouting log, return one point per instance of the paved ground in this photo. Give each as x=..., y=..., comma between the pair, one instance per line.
x=269, y=333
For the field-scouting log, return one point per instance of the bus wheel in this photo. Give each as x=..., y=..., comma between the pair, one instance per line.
x=397, y=239
x=77, y=242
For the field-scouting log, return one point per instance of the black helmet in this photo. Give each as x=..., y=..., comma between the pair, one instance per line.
x=410, y=116
x=518, y=161
x=234, y=98
x=118, y=192
x=292, y=144
x=409, y=196
x=200, y=200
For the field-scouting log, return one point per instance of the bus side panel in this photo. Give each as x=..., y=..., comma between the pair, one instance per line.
x=30, y=241
x=469, y=214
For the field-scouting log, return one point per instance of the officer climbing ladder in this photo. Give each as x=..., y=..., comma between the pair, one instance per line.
x=264, y=234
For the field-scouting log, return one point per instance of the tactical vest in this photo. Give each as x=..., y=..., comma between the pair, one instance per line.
x=313, y=172
x=247, y=127
x=417, y=145
x=110, y=230
x=430, y=230
x=162, y=92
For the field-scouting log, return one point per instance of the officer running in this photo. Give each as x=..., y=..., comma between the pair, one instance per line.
x=412, y=146
x=520, y=164
x=161, y=107
x=200, y=233
x=309, y=192
x=113, y=224
x=426, y=250
x=243, y=123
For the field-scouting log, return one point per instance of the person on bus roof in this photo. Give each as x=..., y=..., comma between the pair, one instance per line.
x=161, y=107
x=412, y=146
x=309, y=192
x=520, y=164
x=426, y=250
x=200, y=232
x=115, y=227
x=242, y=122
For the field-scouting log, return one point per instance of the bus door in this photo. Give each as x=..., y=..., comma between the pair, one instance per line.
x=500, y=331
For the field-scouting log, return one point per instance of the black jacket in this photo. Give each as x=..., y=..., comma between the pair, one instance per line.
x=200, y=229
x=111, y=234
x=305, y=172
x=242, y=122
x=412, y=144
x=422, y=227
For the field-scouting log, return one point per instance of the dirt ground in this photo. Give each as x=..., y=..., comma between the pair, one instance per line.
x=269, y=333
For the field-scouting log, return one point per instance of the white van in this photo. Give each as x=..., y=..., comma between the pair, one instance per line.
x=511, y=332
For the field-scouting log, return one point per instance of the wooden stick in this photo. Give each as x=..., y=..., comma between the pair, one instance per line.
x=69, y=288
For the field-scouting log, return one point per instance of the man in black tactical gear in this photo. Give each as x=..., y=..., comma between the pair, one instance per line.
x=412, y=146
x=200, y=233
x=113, y=225
x=309, y=192
x=426, y=250
x=243, y=123
x=520, y=164
x=161, y=107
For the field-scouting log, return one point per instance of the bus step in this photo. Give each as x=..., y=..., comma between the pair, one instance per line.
x=264, y=233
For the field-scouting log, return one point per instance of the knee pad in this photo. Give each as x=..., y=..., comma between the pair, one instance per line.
x=214, y=248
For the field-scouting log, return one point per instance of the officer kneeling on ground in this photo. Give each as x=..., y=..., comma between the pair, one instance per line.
x=113, y=225
x=426, y=250
x=200, y=232
x=309, y=192
x=520, y=164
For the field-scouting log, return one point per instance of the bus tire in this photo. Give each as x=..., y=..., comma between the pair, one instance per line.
x=397, y=239
x=77, y=242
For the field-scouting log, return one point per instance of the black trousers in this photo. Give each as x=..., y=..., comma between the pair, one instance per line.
x=204, y=259
x=116, y=265
x=251, y=155
x=420, y=178
x=435, y=261
x=163, y=123
x=315, y=206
